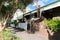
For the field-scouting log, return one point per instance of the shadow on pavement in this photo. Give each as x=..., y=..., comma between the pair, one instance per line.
x=18, y=29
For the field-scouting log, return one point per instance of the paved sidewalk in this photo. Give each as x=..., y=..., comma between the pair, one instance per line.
x=28, y=36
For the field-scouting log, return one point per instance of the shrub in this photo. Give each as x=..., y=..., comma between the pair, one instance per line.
x=7, y=34
x=53, y=23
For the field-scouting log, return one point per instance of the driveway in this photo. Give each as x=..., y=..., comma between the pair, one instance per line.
x=29, y=36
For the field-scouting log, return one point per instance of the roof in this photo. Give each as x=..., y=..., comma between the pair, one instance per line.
x=47, y=7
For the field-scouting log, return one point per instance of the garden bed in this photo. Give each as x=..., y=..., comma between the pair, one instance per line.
x=7, y=34
x=50, y=26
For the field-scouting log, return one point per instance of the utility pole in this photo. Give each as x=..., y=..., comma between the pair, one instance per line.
x=37, y=8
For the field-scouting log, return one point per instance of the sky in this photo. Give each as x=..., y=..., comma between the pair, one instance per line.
x=42, y=3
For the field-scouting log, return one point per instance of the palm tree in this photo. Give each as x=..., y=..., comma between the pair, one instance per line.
x=7, y=7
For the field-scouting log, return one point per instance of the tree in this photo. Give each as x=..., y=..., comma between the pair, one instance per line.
x=24, y=3
x=7, y=8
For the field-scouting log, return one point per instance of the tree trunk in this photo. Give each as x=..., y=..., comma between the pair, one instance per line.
x=3, y=24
